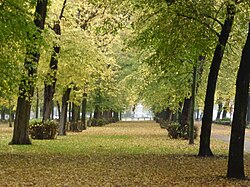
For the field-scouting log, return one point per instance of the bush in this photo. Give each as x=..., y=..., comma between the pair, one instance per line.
x=164, y=124
x=224, y=121
x=176, y=131
x=98, y=122
x=157, y=119
x=40, y=130
x=113, y=120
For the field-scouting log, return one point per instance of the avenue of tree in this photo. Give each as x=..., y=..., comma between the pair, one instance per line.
x=103, y=57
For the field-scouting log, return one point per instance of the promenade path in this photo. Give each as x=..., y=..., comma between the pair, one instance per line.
x=222, y=132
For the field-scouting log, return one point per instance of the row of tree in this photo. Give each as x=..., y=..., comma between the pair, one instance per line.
x=177, y=39
x=76, y=53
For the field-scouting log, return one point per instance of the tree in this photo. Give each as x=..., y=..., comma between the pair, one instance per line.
x=84, y=108
x=26, y=89
x=63, y=113
x=50, y=83
x=236, y=149
x=204, y=149
x=248, y=110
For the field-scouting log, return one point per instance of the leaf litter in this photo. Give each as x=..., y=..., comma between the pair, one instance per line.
x=116, y=155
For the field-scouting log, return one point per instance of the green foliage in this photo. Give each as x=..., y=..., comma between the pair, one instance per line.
x=175, y=131
x=43, y=130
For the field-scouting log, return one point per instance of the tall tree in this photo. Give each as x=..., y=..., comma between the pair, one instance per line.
x=236, y=149
x=63, y=113
x=220, y=104
x=204, y=149
x=26, y=88
x=248, y=110
x=50, y=83
x=84, y=107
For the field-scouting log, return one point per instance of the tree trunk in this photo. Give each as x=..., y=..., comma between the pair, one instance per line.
x=90, y=118
x=97, y=112
x=120, y=115
x=169, y=114
x=84, y=107
x=52, y=111
x=10, y=114
x=75, y=118
x=58, y=108
x=110, y=114
x=49, y=88
x=186, y=112
x=236, y=148
x=26, y=88
x=49, y=91
x=3, y=113
x=63, y=114
x=197, y=114
x=37, y=103
x=204, y=149
x=225, y=110
x=106, y=114
x=192, y=104
x=116, y=116
x=70, y=111
x=219, y=110
x=248, y=109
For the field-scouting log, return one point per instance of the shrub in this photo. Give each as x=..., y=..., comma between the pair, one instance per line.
x=176, y=131
x=40, y=130
x=157, y=119
x=224, y=121
x=113, y=120
x=98, y=122
x=164, y=124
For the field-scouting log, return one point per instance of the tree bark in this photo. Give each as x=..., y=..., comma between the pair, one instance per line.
x=52, y=111
x=204, y=149
x=106, y=114
x=248, y=109
x=75, y=118
x=84, y=107
x=58, y=108
x=97, y=112
x=37, y=103
x=63, y=113
x=26, y=88
x=186, y=112
x=236, y=148
x=90, y=118
x=225, y=110
x=70, y=112
x=192, y=104
x=10, y=114
x=219, y=110
x=3, y=113
x=49, y=88
x=116, y=116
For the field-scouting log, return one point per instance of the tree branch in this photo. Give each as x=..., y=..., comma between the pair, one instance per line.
x=64, y=5
x=213, y=18
x=203, y=23
x=92, y=15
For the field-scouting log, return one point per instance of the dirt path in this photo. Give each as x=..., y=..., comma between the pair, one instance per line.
x=222, y=132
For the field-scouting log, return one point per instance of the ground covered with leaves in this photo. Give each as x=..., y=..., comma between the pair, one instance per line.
x=122, y=154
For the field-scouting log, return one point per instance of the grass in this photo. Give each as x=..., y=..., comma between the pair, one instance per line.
x=122, y=154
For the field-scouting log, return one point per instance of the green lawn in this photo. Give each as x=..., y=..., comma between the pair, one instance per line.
x=122, y=154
